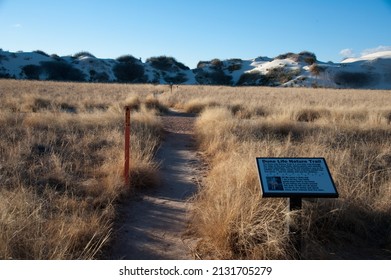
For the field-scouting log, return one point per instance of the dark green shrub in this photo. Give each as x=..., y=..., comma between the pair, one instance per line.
x=307, y=57
x=279, y=75
x=129, y=72
x=290, y=55
x=41, y=53
x=354, y=79
x=101, y=77
x=234, y=67
x=82, y=53
x=56, y=57
x=216, y=77
x=250, y=78
x=61, y=71
x=166, y=63
x=32, y=71
x=127, y=59
x=178, y=79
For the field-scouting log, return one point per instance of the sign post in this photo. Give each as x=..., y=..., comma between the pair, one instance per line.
x=127, y=145
x=295, y=178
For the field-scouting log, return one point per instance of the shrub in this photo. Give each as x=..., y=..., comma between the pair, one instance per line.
x=354, y=79
x=98, y=76
x=216, y=77
x=83, y=53
x=61, y=71
x=234, y=67
x=41, y=53
x=56, y=57
x=129, y=72
x=290, y=55
x=178, y=79
x=32, y=71
x=127, y=59
x=307, y=57
x=166, y=63
x=250, y=78
x=201, y=64
x=279, y=75
x=216, y=63
x=315, y=69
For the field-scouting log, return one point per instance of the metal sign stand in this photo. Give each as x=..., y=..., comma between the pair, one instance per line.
x=294, y=226
x=295, y=179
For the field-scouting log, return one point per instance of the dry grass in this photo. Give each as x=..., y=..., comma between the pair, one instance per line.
x=350, y=128
x=61, y=164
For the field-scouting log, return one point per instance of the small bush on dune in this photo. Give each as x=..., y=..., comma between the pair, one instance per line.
x=32, y=71
x=305, y=56
x=354, y=79
x=215, y=77
x=315, y=69
x=41, y=53
x=279, y=75
x=127, y=59
x=61, y=71
x=250, y=78
x=83, y=53
x=129, y=72
x=166, y=63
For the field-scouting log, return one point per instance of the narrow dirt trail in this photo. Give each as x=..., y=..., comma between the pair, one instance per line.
x=155, y=222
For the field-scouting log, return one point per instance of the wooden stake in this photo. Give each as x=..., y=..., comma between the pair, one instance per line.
x=127, y=145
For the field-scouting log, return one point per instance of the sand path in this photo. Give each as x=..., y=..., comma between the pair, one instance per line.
x=154, y=223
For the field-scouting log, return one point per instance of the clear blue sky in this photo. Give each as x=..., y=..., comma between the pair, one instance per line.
x=196, y=30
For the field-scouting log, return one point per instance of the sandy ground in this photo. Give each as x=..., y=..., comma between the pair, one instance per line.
x=154, y=223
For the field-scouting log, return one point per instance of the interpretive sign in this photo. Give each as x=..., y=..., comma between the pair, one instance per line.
x=295, y=177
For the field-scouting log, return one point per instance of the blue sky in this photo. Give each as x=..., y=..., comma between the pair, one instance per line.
x=196, y=30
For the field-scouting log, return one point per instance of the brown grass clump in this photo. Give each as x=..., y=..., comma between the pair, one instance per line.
x=307, y=115
x=196, y=106
x=387, y=116
x=61, y=164
x=152, y=103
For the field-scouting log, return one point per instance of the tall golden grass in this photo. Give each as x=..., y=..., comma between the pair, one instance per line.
x=350, y=128
x=61, y=164
x=61, y=167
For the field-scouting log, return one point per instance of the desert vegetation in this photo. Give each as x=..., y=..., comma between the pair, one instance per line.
x=61, y=164
x=350, y=129
x=61, y=167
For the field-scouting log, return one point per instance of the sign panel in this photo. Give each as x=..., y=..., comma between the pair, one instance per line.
x=295, y=177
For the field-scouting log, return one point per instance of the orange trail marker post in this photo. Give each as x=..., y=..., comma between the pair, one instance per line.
x=127, y=145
